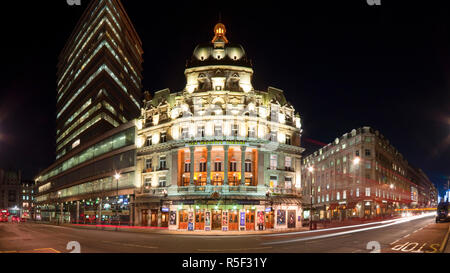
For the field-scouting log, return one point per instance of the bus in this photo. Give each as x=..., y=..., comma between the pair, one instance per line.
x=4, y=213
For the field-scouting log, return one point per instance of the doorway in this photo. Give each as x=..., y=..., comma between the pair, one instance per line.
x=270, y=219
x=250, y=220
x=216, y=220
x=164, y=219
x=199, y=220
x=183, y=219
x=154, y=218
x=144, y=217
x=233, y=221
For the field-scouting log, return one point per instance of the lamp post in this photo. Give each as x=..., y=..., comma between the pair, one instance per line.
x=311, y=170
x=61, y=208
x=117, y=177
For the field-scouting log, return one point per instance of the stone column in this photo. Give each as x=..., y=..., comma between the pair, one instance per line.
x=208, y=165
x=243, y=148
x=225, y=163
x=192, y=150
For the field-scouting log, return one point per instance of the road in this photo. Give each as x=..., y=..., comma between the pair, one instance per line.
x=404, y=235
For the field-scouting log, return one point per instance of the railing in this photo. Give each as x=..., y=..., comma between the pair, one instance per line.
x=209, y=189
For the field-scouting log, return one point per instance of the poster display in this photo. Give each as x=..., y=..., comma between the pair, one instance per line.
x=281, y=217
x=207, y=220
x=260, y=220
x=191, y=220
x=225, y=221
x=291, y=219
x=173, y=217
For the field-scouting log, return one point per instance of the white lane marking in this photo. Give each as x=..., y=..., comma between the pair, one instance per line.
x=394, y=241
x=406, y=236
x=346, y=232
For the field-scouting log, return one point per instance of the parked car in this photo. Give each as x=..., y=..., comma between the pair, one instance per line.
x=443, y=212
x=15, y=218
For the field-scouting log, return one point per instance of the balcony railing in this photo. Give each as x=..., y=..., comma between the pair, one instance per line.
x=209, y=189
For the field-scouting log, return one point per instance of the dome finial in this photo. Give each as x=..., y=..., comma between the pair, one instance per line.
x=219, y=32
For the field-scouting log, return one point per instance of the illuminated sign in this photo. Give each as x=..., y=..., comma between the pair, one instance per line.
x=165, y=209
x=215, y=142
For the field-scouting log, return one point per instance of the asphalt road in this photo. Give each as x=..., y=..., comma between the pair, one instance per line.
x=387, y=236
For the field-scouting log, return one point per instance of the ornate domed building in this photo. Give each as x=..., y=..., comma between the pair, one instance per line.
x=219, y=155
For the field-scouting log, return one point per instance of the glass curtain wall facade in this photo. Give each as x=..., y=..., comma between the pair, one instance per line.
x=99, y=76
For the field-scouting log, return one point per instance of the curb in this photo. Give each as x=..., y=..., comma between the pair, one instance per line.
x=445, y=241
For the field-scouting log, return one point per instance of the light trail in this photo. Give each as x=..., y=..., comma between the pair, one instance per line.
x=395, y=222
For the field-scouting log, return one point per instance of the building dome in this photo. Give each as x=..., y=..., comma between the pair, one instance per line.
x=219, y=51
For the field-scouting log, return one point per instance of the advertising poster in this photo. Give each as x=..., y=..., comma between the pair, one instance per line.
x=191, y=221
x=173, y=217
x=207, y=218
x=225, y=221
x=281, y=217
x=260, y=220
x=291, y=219
x=242, y=219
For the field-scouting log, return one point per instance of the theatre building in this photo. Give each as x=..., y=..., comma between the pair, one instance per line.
x=218, y=155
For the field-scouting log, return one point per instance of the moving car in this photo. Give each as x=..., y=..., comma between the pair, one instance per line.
x=443, y=212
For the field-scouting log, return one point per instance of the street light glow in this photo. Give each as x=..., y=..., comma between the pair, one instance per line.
x=356, y=160
x=117, y=176
x=311, y=169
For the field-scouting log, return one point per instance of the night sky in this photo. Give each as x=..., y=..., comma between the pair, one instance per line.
x=342, y=65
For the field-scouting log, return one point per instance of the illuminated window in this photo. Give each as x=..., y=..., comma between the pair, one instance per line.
x=273, y=162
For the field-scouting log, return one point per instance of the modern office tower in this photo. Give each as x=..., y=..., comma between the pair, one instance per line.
x=98, y=99
x=219, y=155
x=99, y=76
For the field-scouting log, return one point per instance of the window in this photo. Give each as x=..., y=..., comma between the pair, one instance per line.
x=288, y=163
x=162, y=162
x=148, y=163
x=162, y=181
x=185, y=132
x=217, y=166
x=147, y=182
x=367, y=191
x=163, y=138
x=288, y=183
x=273, y=162
x=357, y=153
x=273, y=181
x=202, y=167
x=248, y=166
x=201, y=131
x=234, y=130
x=218, y=130
x=149, y=141
x=367, y=152
x=338, y=196
x=357, y=192
x=288, y=139
x=251, y=131
x=273, y=136
x=344, y=194
x=187, y=167
x=368, y=165
x=233, y=166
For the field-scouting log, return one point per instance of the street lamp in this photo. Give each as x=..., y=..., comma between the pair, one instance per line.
x=311, y=170
x=117, y=177
x=61, y=209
